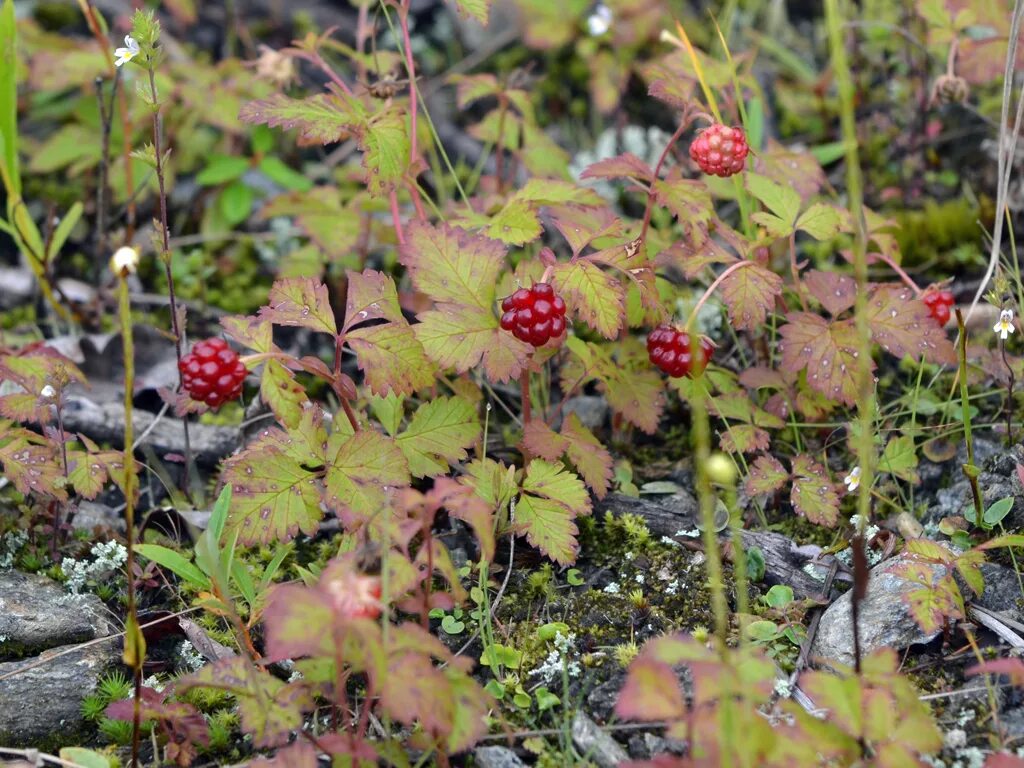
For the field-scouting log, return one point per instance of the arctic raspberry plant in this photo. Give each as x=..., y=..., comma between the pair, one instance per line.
x=420, y=343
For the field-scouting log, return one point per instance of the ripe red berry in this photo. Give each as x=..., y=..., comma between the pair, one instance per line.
x=672, y=351
x=940, y=305
x=534, y=315
x=720, y=150
x=212, y=372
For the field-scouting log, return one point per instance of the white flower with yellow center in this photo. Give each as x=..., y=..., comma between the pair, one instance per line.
x=1005, y=325
x=852, y=480
x=129, y=52
x=48, y=392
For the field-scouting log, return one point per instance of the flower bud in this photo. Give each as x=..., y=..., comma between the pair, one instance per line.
x=125, y=261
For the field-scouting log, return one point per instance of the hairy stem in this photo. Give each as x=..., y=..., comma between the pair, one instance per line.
x=179, y=332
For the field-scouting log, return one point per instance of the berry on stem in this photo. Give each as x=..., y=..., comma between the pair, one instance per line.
x=534, y=315
x=940, y=305
x=673, y=352
x=212, y=373
x=720, y=150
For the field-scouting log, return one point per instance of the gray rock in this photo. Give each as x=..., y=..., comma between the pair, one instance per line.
x=644, y=746
x=92, y=515
x=885, y=619
x=41, y=706
x=591, y=410
x=596, y=745
x=104, y=422
x=36, y=613
x=1002, y=591
x=497, y=757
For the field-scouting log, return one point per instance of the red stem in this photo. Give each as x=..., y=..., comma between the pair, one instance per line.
x=403, y=20
x=711, y=289
x=524, y=389
x=396, y=216
x=684, y=123
x=899, y=271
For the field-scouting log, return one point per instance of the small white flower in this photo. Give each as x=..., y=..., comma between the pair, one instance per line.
x=1005, y=325
x=129, y=52
x=600, y=20
x=852, y=480
x=48, y=392
x=125, y=260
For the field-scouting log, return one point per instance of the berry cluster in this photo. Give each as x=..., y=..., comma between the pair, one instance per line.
x=534, y=315
x=720, y=150
x=212, y=372
x=940, y=304
x=671, y=350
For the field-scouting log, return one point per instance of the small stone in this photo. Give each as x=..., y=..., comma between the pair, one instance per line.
x=497, y=757
x=591, y=410
x=596, y=745
x=885, y=618
x=91, y=515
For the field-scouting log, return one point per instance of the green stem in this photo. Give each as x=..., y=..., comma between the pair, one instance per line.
x=855, y=195
x=706, y=501
x=135, y=650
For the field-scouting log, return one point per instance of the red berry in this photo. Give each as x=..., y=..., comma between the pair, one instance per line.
x=940, y=305
x=212, y=372
x=672, y=351
x=720, y=150
x=534, y=315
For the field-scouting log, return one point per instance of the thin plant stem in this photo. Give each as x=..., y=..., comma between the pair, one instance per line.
x=524, y=391
x=134, y=644
x=122, y=107
x=706, y=502
x=1009, y=394
x=865, y=384
x=106, y=120
x=179, y=332
x=969, y=468
x=685, y=121
x=711, y=288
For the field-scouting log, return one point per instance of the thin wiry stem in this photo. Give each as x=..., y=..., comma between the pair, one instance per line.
x=1005, y=151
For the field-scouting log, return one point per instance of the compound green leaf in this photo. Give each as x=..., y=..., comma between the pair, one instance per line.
x=300, y=301
x=360, y=469
x=453, y=266
x=438, y=435
x=391, y=358
x=274, y=496
x=813, y=495
x=595, y=296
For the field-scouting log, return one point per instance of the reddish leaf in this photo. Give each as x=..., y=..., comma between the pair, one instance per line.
x=391, y=358
x=371, y=296
x=626, y=165
x=837, y=293
x=588, y=455
x=540, y=440
x=828, y=352
x=813, y=495
x=750, y=294
x=651, y=692
x=767, y=475
x=902, y=325
x=452, y=266
x=300, y=301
